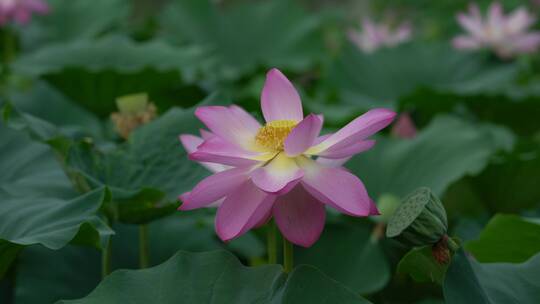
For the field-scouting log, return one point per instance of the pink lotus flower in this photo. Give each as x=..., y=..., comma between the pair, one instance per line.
x=506, y=35
x=374, y=36
x=20, y=11
x=282, y=169
x=404, y=127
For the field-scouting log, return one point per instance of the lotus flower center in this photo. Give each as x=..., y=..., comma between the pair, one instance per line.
x=272, y=136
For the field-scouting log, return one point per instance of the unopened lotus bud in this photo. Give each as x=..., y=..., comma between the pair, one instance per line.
x=404, y=127
x=419, y=220
x=134, y=110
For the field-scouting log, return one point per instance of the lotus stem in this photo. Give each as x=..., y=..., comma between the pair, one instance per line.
x=378, y=232
x=106, y=254
x=8, y=47
x=144, y=256
x=288, y=254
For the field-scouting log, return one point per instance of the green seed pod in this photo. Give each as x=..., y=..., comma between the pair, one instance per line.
x=132, y=104
x=419, y=220
x=387, y=205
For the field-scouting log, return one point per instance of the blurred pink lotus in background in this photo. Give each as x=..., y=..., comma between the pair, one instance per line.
x=282, y=169
x=374, y=36
x=20, y=11
x=506, y=35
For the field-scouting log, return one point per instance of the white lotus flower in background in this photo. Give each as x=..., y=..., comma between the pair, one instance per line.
x=377, y=35
x=506, y=35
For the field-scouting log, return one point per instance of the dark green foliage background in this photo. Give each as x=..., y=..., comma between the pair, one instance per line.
x=69, y=183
